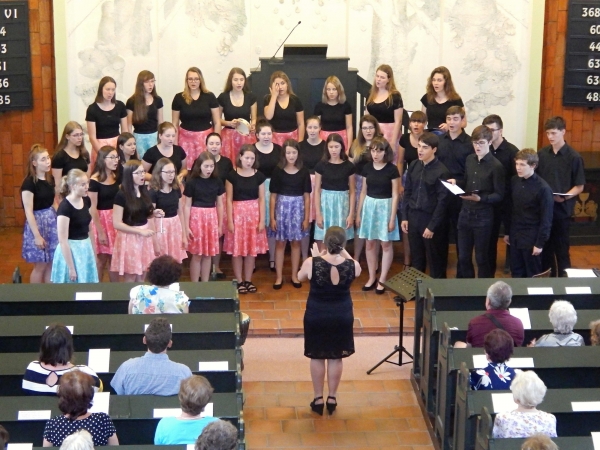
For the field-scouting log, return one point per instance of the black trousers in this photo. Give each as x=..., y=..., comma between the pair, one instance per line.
x=556, y=251
x=427, y=250
x=501, y=211
x=474, y=229
x=451, y=231
x=522, y=263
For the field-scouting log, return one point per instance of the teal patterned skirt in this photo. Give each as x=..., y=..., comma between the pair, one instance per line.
x=335, y=207
x=84, y=260
x=374, y=219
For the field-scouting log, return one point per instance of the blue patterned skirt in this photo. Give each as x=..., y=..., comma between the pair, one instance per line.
x=84, y=260
x=46, y=223
x=374, y=219
x=335, y=207
x=289, y=214
x=144, y=141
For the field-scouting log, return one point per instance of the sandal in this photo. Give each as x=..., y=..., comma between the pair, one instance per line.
x=250, y=287
x=242, y=288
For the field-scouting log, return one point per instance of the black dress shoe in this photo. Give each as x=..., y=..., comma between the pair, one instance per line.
x=297, y=285
x=379, y=291
x=278, y=286
x=369, y=288
x=272, y=266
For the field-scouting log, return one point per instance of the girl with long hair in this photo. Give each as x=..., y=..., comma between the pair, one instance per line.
x=39, y=235
x=284, y=109
x=334, y=111
x=127, y=147
x=195, y=113
x=70, y=153
x=440, y=95
x=166, y=148
x=144, y=111
x=74, y=259
x=203, y=198
x=236, y=102
x=104, y=185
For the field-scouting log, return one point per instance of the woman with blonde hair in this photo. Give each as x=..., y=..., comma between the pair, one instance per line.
x=595, y=332
x=70, y=153
x=284, y=109
x=334, y=111
x=196, y=114
x=440, y=96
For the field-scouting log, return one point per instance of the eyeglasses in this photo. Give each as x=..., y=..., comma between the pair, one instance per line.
x=168, y=172
x=139, y=172
x=192, y=80
x=117, y=157
x=481, y=143
x=367, y=128
x=78, y=135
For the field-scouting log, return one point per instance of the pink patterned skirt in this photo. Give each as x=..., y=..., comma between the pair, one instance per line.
x=170, y=237
x=388, y=130
x=342, y=133
x=204, y=224
x=102, y=142
x=132, y=253
x=194, y=143
x=245, y=239
x=280, y=138
x=106, y=220
x=232, y=141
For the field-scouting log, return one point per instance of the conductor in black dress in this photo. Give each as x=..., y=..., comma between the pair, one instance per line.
x=328, y=320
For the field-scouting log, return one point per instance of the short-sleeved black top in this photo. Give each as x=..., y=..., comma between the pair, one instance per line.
x=224, y=166
x=245, y=188
x=410, y=152
x=436, y=112
x=106, y=194
x=231, y=112
x=43, y=193
x=99, y=425
x=151, y=124
x=311, y=154
x=108, y=123
x=204, y=191
x=335, y=177
x=268, y=161
x=137, y=220
x=333, y=117
x=379, y=182
x=284, y=120
x=197, y=116
x=168, y=202
x=153, y=154
x=79, y=219
x=383, y=112
x=62, y=160
x=292, y=185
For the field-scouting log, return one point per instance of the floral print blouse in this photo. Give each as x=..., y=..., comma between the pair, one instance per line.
x=156, y=300
x=492, y=377
x=516, y=424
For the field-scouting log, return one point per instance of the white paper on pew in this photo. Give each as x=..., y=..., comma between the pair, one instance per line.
x=578, y=290
x=99, y=359
x=213, y=366
x=595, y=439
x=190, y=447
x=159, y=413
x=208, y=411
x=174, y=287
x=523, y=314
x=540, y=291
x=520, y=363
x=456, y=190
x=580, y=273
x=34, y=415
x=19, y=446
x=70, y=327
x=100, y=402
x=480, y=361
x=503, y=402
x=88, y=295
x=147, y=325
x=585, y=406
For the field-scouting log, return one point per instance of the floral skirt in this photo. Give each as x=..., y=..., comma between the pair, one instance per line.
x=144, y=141
x=335, y=207
x=194, y=143
x=245, y=239
x=289, y=214
x=374, y=219
x=106, y=220
x=84, y=261
x=342, y=133
x=204, y=225
x=313, y=211
x=46, y=223
x=132, y=253
x=232, y=141
x=388, y=130
x=280, y=138
x=170, y=237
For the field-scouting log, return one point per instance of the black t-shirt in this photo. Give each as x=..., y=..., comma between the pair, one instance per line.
x=284, y=120
x=169, y=203
x=436, y=112
x=197, y=116
x=335, y=177
x=245, y=188
x=268, y=161
x=43, y=192
x=379, y=182
x=151, y=124
x=293, y=185
x=410, y=152
x=311, y=154
x=62, y=160
x=333, y=117
x=361, y=161
x=383, y=112
x=108, y=123
x=204, y=191
x=231, y=112
x=79, y=219
x=106, y=194
x=224, y=166
x=137, y=220
x=153, y=154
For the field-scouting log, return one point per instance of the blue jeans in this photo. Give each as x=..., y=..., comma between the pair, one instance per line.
x=474, y=231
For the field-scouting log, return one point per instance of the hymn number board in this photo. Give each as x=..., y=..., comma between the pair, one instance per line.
x=15, y=57
x=582, y=62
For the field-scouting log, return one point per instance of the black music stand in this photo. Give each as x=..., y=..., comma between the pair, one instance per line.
x=405, y=285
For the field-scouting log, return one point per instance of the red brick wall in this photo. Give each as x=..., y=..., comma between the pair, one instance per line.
x=583, y=124
x=19, y=130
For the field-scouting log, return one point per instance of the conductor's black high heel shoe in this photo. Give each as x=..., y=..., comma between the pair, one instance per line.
x=318, y=408
x=331, y=406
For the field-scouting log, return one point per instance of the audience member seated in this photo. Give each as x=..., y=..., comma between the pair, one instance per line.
x=218, y=435
x=80, y=440
x=539, y=442
x=497, y=301
x=525, y=421
x=595, y=332
x=153, y=373
x=563, y=318
x=194, y=394
x=496, y=375
x=4, y=437
x=56, y=352
x=161, y=297
x=74, y=399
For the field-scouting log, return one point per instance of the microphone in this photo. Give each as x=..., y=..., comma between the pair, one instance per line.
x=285, y=40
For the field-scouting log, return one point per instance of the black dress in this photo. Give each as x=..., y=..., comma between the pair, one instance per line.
x=328, y=320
